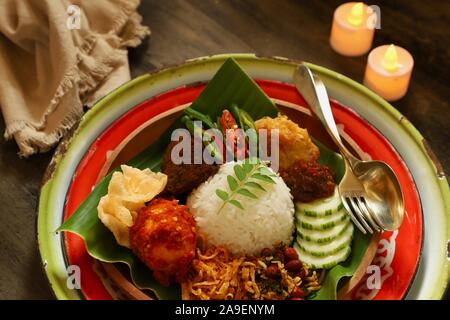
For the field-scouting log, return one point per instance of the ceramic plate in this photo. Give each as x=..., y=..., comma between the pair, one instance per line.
x=131, y=117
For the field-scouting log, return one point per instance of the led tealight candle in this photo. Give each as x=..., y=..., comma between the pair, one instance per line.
x=351, y=32
x=388, y=71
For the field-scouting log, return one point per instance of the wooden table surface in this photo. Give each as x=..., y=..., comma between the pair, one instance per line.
x=187, y=29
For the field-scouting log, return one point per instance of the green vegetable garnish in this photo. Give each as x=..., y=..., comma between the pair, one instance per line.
x=246, y=179
x=195, y=115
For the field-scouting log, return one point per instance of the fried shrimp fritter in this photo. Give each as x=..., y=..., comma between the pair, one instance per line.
x=295, y=143
x=164, y=238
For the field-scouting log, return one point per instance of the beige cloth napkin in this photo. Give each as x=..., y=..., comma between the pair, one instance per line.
x=49, y=69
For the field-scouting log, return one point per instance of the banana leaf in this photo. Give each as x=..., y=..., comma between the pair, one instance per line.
x=328, y=291
x=230, y=85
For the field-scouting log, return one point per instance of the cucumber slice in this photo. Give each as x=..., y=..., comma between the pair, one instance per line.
x=324, y=232
x=322, y=250
x=321, y=207
x=323, y=223
x=323, y=236
x=322, y=262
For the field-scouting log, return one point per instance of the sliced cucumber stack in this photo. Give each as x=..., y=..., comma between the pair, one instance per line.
x=330, y=248
x=322, y=207
x=324, y=232
x=325, y=236
x=321, y=223
x=327, y=262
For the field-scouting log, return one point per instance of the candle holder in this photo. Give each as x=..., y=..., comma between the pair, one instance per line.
x=352, y=32
x=388, y=71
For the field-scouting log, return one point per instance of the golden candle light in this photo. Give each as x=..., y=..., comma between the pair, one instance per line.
x=351, y=32
x=388, y=71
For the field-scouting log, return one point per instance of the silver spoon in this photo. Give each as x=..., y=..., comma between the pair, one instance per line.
x=381, y=200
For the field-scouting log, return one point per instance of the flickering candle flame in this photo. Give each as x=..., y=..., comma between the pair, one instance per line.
x=355, y=17
x=390, y=59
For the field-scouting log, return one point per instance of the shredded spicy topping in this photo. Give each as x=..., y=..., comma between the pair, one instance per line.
x=277, y=274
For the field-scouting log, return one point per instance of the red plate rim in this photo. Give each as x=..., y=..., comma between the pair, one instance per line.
x=397, y=271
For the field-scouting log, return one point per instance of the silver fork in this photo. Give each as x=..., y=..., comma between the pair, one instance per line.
x=353, y=197
x=351, y=189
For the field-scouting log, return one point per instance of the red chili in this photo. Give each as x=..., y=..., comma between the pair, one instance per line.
x=228, y=122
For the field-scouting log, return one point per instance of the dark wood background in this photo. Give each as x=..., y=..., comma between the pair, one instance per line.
x=290, y=28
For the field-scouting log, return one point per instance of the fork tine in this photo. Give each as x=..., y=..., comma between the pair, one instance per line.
x=369, y=210
x=363, y=209
x=359, y=214
x=352, y=216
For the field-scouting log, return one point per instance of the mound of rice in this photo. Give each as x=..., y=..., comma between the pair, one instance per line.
x=263, y=223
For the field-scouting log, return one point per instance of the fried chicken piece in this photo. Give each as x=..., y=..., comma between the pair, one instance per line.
x=183, y=178
x=295, y=143
x=309, y=181
x=164, y=238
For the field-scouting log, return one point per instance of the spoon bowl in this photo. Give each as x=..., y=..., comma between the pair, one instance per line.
x=383, y=193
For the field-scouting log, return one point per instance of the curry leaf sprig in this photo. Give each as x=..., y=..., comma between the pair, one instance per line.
x=247, y=178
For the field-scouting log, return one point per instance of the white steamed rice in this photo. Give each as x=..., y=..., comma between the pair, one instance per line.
x=263, y=223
